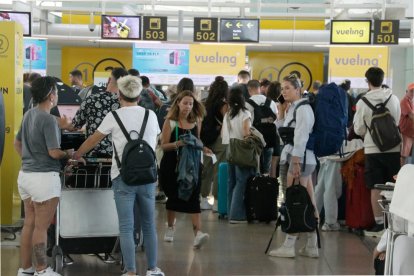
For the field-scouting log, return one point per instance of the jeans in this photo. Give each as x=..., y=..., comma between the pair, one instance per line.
x=125, y=197
x=266, y=160
x=235, y=191
x=329, y=189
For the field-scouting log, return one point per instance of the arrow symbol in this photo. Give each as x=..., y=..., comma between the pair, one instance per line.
x=228, y=25
x=239, y=25
x=249, y=25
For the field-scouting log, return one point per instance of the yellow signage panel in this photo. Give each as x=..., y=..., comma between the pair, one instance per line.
x=279, y=24
x=350, y=32
x=11, y=85
x=90, y=60
x=217, y=60
x=275, y=66
x=352, y=63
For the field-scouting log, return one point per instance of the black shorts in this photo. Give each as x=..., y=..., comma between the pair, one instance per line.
x=380, y=168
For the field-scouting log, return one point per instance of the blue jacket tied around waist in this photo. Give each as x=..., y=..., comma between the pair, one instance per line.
x=189, y=165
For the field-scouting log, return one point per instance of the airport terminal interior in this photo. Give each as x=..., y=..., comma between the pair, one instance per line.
x=315, y=41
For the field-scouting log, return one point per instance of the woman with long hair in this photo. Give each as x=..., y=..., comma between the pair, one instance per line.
x=236, y=124
x=300, y=164
x=216, y=106
x=184, y=117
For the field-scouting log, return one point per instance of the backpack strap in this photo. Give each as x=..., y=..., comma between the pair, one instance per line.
x=144, y=124
x=252, y=103
x=385, y=103
x=278, y=223
x=294, y=111
x=368, y=103
x=268, y=102
x=124, y=131
x=121, y=125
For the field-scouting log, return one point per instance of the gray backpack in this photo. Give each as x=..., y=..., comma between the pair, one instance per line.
x=384, y=131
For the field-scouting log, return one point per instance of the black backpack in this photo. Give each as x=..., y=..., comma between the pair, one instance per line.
x=264, y=121
x=383, y=129
x=297, y=214
x=139, y=165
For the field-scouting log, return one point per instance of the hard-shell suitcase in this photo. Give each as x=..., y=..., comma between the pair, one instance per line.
x=358, y=213
x=261, y=198
x=222, y=189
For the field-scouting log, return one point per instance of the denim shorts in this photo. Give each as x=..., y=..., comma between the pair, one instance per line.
x=39, y=186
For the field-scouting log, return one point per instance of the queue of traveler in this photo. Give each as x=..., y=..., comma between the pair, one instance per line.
x=228, y=113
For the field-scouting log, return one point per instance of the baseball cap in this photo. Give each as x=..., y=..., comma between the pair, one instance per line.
x=410, y=86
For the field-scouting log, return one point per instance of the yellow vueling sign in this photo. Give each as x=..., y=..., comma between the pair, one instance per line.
x=350, y=32
x=11, y=85
x=217, y=59
x=352, y=63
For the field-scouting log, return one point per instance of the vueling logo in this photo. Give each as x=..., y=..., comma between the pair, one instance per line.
x=358, y=60
x=231, y=60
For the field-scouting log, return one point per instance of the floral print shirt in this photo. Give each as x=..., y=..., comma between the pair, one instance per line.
x=91, y=113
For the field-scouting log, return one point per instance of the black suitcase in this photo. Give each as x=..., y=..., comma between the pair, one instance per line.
x=261, y=198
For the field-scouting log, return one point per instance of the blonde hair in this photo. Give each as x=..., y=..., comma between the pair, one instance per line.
x=198, y=111
x=130, y=86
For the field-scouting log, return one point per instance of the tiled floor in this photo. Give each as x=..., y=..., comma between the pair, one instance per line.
x=232, y=250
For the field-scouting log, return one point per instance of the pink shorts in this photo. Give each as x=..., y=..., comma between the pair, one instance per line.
x=407, y=145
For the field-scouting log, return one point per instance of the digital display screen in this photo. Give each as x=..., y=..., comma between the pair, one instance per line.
x=24, y=18
x=120, y=27
x=239, y=30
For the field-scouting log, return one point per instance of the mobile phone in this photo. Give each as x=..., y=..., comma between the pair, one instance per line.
x=281, y=99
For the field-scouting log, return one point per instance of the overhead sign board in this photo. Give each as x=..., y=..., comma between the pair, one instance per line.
x=205, y=29
x=386, y=31
x=155, y=28
x=239, y=30
x=350, y=31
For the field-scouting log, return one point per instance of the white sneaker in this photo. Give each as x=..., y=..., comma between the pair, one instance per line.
x=283, y=252
x=204, y=204
x=47, y=272
x=200, y=239
x=155, y=272
x=126, y=274
x=331, y=227
x=169, y=234
x=21, y=272
x=311, y=252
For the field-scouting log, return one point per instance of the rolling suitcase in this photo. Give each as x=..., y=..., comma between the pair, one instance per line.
x=358, y=214
x=261, y=198
x=222, y=189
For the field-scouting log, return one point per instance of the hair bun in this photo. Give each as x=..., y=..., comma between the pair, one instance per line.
x=219, y=78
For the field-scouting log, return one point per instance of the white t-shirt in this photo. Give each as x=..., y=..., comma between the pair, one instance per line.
x=259, y=100
x=132, y=118
x=236, y=126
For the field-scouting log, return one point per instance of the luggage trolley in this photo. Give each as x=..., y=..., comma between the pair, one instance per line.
x=396, y=226
x=86, y=217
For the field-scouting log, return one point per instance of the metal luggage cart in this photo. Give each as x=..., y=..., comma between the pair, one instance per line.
x=396, y=227
x=86, y=217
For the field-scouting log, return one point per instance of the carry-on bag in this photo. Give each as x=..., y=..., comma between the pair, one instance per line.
x=358, y=214
x=222, y=189
x=261, y=198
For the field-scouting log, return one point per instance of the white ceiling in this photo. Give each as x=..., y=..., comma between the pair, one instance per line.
x=46, y=18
